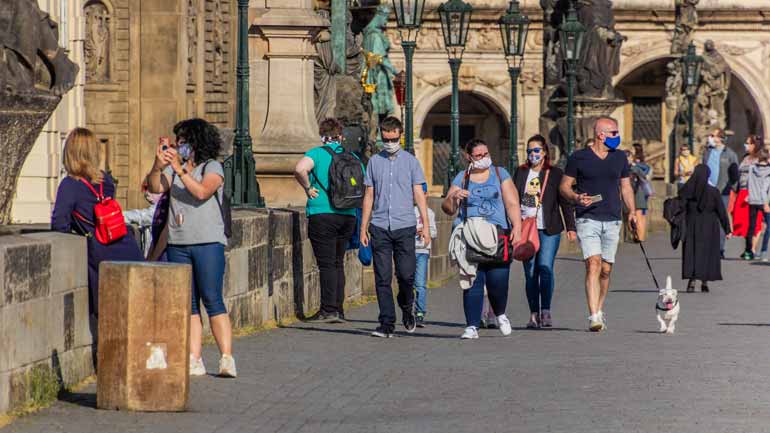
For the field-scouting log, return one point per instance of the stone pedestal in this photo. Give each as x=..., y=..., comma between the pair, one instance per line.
x=144, y=336
x=285, y=30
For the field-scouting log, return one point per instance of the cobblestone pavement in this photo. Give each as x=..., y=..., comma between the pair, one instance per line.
x=712, y=376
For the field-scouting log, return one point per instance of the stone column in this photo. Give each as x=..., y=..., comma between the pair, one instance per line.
x=284, y=33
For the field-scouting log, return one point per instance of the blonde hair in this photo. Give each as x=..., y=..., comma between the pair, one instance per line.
x=83, y=155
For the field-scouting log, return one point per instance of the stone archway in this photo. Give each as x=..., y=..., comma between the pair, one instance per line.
x=481, y=116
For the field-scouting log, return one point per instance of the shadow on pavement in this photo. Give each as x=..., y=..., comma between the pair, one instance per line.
x=634, y=291
x=358, y=331
x=552, y=329
x=79, y=398
x=760, y=264
x=745, y=324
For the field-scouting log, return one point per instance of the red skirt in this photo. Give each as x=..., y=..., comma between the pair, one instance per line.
x=741, y=216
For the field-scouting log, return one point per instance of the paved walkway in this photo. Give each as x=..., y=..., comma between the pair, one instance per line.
x=712, y=376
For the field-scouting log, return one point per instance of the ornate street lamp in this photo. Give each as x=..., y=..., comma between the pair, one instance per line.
x=455, y=21
x=241, y=179
x=514, y=27
x=409, y=19
x=571, y=36
x=691, y=64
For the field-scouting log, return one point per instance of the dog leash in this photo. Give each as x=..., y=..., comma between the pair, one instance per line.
x=644, y=253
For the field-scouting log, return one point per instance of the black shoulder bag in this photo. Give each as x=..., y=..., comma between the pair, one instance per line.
x=504, y=253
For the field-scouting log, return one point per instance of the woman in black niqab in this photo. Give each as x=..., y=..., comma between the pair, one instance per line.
x=705, y=214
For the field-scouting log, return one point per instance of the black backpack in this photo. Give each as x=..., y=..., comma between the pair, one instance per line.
x=224, y=206
x=674, y=212
x=346, y=180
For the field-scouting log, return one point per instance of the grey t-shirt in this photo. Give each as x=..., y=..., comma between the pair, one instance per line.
x=192, y=221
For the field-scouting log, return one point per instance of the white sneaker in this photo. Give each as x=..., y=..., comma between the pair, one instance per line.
x=595, y=323
x=504, y=324
x=196, y=366
x=603, y=319
x=470, y=333
x=227, y=366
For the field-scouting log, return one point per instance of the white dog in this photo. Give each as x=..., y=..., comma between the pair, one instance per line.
x=667, y=308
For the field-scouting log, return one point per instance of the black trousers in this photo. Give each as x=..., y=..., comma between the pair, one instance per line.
x=753, y=211
x=389, y=246
x=329, y=235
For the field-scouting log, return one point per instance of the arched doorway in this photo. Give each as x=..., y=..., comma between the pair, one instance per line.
x=643, y=117
x=479, y=118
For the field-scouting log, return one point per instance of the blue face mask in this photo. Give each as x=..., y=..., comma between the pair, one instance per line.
x=612, y=142
x=184, y=151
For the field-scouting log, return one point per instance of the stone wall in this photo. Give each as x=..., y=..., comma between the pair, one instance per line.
x=45, y=340
x=270, y=278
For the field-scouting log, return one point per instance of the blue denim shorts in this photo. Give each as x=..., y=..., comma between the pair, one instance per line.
x=598, y=238
x=208, y=271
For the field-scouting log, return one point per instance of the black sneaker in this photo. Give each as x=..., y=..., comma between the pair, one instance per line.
x=704, y=288
x=748, y=255
x=341, y=318
x=382, y=332
x=410, y=322
x=323, y=317
x=420, y=320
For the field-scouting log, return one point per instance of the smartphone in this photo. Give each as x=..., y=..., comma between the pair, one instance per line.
x=595, y=198
x=165, y=142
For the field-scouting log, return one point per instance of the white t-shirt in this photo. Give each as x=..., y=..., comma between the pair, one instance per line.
x=530, y=201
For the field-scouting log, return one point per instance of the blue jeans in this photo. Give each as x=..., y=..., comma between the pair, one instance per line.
x=208, y=272
x=496, y=280
x=420, y=279
x=539, y=273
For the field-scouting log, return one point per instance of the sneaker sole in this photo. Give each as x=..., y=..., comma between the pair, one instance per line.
x=381, y=335
x=227, y=375
x=462, y=337
x=596, y=327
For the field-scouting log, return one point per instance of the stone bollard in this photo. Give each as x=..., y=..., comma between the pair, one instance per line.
x=144, y=336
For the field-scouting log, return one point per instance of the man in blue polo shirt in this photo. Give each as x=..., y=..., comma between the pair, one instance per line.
x=600, y=173
x=393, y=182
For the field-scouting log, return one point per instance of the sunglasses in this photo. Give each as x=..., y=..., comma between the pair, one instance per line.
x=534, y=150
x=395, y=140
x=611, y=133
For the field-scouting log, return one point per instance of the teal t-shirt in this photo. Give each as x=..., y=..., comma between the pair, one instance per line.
x=320, y=174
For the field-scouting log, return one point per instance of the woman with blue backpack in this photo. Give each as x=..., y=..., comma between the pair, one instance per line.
x=333, y=181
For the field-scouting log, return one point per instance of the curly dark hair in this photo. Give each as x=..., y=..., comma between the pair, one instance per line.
x=202, y=136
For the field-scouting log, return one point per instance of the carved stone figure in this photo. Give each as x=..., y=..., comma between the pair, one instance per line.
x=192, y=39
x=218, y=37
x=325, y=71
x=600, y=57
x=377, y=66
x=97, y=43
x=34, y=73
x=26, y=33
x=353, y=55
x=716, y=76
x=686, y=21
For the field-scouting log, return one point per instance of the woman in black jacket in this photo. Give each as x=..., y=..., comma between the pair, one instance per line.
x=705, y=215
x=531, y=183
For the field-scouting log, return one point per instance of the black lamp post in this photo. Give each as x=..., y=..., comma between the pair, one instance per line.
x=514, y=27
x=571, y=36
x=241, y=179
x=691, y=62
x=409, y=19
x=455, y=21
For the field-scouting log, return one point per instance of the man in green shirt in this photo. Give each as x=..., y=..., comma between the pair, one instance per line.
x=329, y=228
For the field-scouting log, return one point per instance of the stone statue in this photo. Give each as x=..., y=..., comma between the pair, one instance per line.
x=379, y=72
x=34, y=73
x=218, y=37
x=353, y=54
x=600, y=57
x=192, y=39
x=325, y=70
x=686, y=21
x=25, y=33
x=716, y=76
x=552, y=69
x=97, y=43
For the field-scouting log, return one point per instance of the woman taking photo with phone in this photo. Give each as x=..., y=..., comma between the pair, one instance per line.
x=485, y=192
x=537, y=183
x=196, y=229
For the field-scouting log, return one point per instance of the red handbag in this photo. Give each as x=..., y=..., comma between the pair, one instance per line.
x=109, y=225
x=529, y=244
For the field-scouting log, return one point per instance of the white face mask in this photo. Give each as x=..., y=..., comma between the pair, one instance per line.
x=711, y=142
x=483, y=164
x=391, y=146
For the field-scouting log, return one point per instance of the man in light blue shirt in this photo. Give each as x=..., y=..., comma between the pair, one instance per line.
x=723, y=163
x=393, y=182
